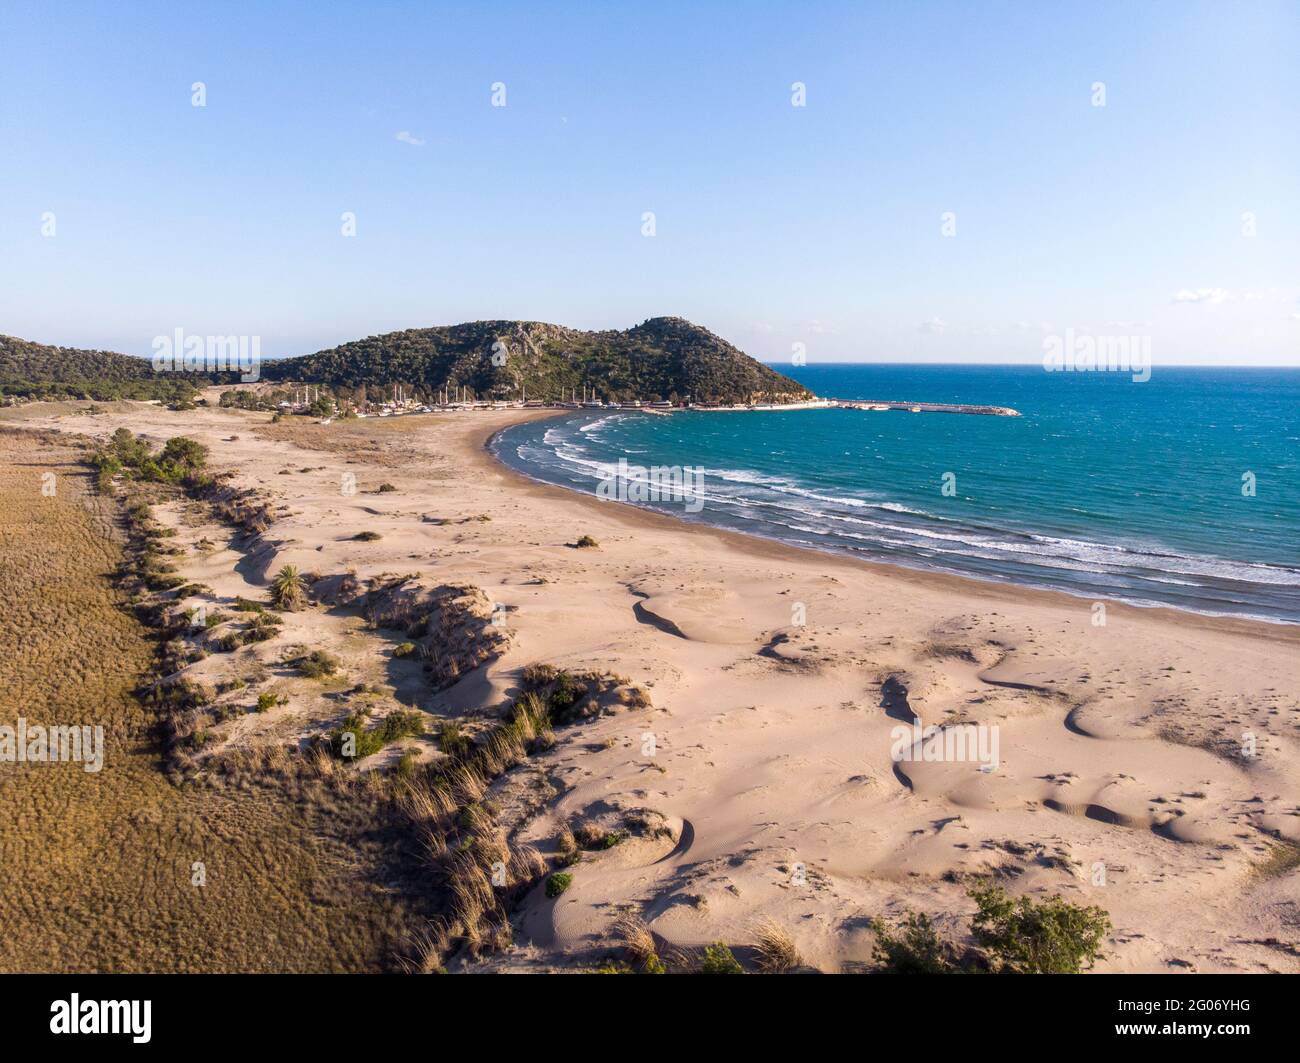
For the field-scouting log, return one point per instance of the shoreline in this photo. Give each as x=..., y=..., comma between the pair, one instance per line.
x=973, y=586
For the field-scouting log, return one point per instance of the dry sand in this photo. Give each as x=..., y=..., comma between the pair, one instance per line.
x=1120, y=780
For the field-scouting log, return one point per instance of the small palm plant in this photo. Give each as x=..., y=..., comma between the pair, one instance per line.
x=287, y=589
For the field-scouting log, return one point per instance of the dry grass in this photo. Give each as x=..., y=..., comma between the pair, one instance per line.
x=1282, y=858
x=636, y=938
x=774, y=948
x=526, y=864
x=99, y=869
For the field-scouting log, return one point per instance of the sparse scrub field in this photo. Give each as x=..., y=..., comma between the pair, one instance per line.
x=99, y=867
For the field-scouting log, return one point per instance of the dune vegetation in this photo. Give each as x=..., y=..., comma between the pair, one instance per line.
x=121, y=870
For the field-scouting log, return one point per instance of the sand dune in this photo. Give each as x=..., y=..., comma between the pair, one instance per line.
x=1119, y=780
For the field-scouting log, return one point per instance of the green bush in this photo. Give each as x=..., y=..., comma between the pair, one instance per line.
x=401, y=724
x=366, y=537
x=266, y=702
x=586, y=543
x=181, y=459
x=1019, y=936
x=557, y=883
x=1024, y=936
x=719, y=960
x=566, y=693
x=395, y=725
x=914, y=948
x=404, y=650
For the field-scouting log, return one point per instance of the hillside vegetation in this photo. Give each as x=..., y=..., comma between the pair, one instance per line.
x=38, y=371
x=663, y=358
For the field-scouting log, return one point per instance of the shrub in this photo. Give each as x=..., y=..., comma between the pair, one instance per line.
x=182, y=459
x=317, y=665
x=401, y=724
x=366, y=536
x=914, y=949
x=386, y=488
x=266, y=702
x=1027, y=937
x=452, y=741
x=128, y=449
x=538, y=675
x=287, y=589
x=364, y=742
x=719, y=960
x=262, y=626
x=566, y=693
x=586, y=543
x=557, y=883
x=227, y=642
x=404, y=650
x=567, y=847
x=593, y=837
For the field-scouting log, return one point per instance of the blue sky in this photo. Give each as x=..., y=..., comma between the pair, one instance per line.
x=774, y=224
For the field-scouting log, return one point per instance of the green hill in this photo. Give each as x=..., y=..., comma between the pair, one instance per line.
x=37, y=371
x=663, y=358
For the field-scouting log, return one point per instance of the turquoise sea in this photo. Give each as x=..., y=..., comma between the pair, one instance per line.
x=1106, y=488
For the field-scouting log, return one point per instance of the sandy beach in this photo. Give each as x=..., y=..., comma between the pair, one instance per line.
x=1148, y=765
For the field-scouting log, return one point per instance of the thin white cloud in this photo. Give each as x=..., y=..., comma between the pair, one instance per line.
x=409, y=138
x=934, y=326
x=1209, y=296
